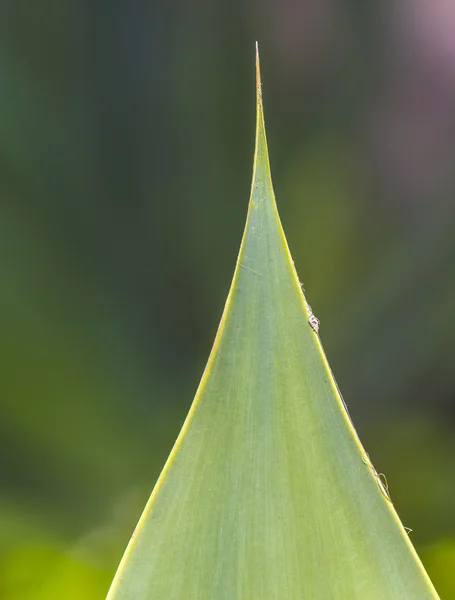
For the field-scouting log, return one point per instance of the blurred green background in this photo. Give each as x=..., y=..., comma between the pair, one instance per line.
x=126, y=141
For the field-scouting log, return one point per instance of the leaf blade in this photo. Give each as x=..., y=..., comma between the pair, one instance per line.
x=268, y=492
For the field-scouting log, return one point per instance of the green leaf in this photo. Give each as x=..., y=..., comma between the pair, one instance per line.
x=268, y=493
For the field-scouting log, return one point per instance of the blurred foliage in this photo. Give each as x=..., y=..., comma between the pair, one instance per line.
x=119, y=125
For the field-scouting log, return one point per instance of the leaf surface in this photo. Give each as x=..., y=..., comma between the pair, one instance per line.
x=268, y=493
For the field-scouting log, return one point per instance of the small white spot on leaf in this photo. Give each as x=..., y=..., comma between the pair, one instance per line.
x=314, y=322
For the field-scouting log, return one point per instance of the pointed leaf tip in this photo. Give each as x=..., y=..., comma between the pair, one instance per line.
x=258, y=78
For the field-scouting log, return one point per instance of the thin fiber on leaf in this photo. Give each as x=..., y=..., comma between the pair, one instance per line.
x=268, y=493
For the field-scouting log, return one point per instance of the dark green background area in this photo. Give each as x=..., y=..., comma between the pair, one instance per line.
x=126, y=143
